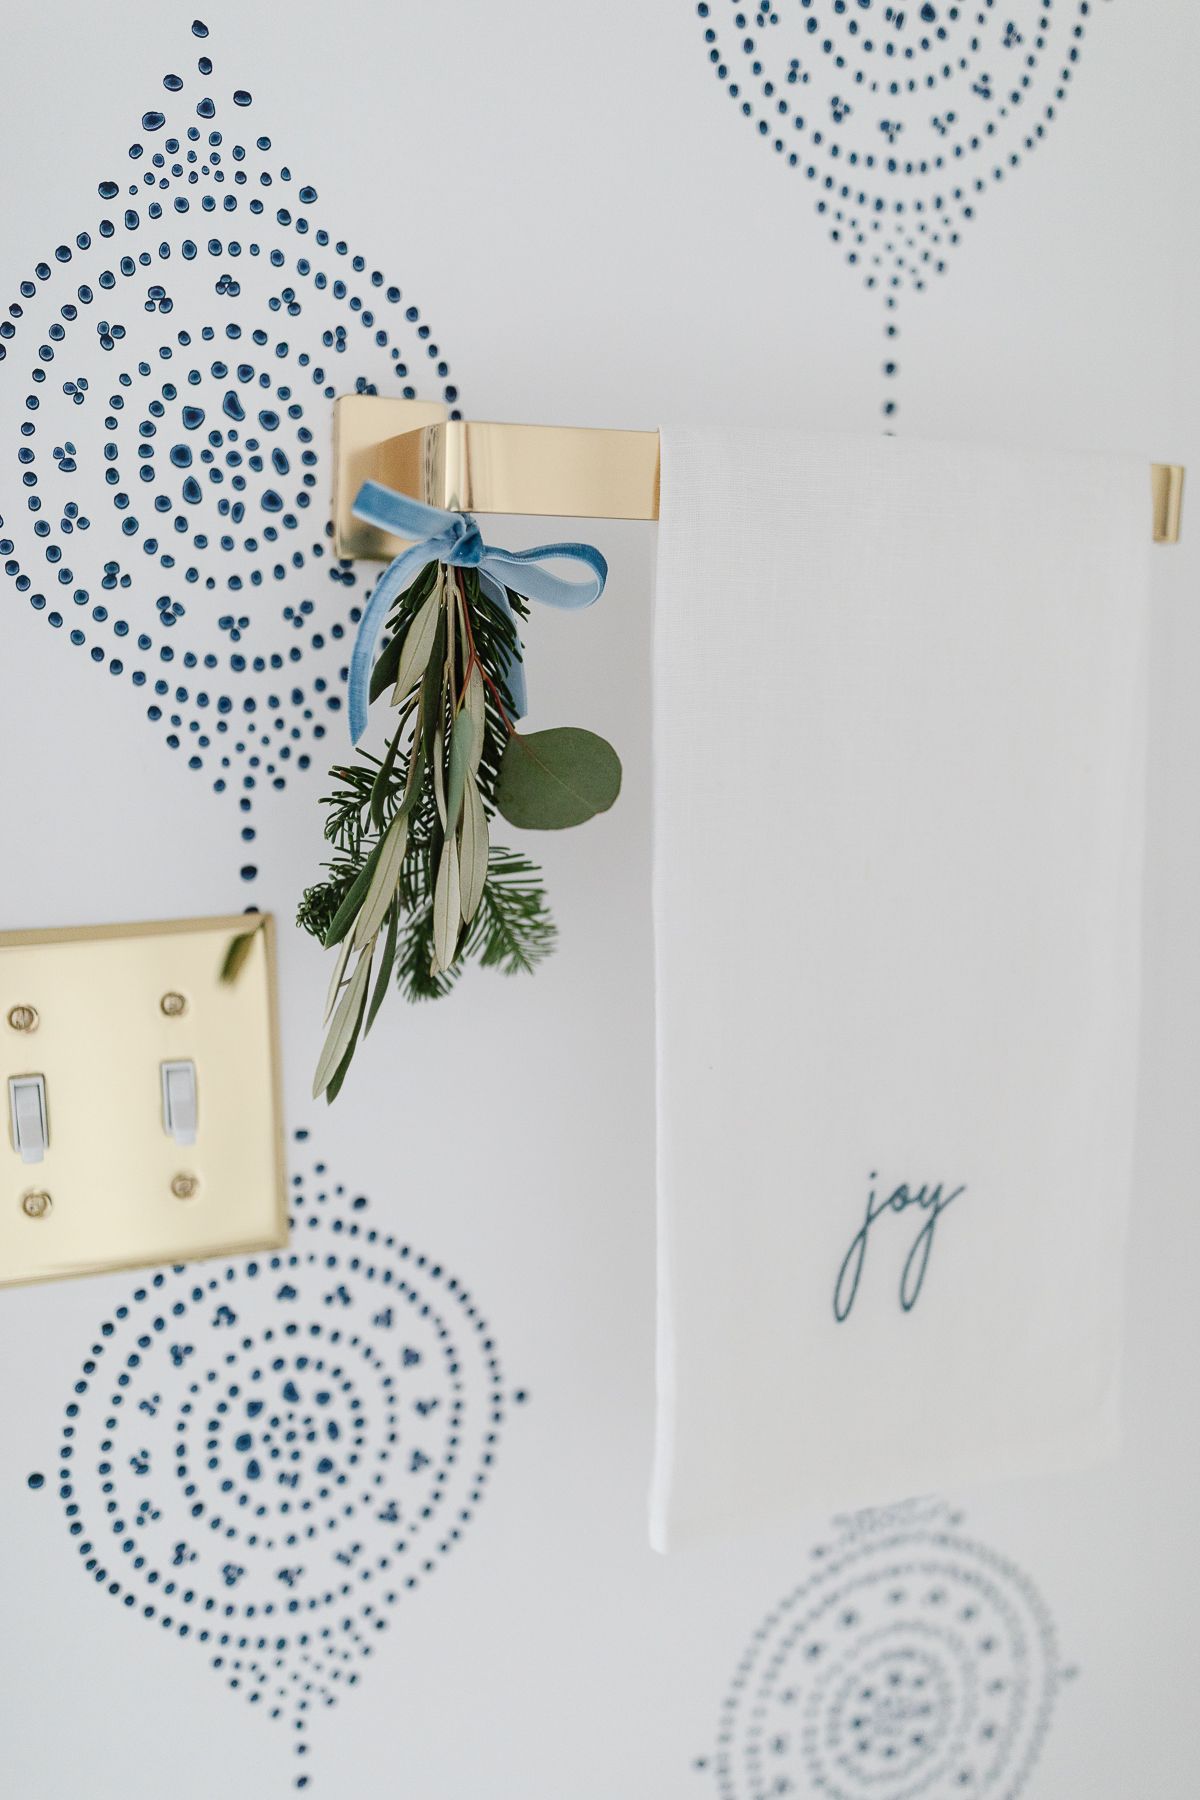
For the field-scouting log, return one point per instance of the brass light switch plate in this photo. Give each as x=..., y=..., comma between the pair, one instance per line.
x=156, y=1132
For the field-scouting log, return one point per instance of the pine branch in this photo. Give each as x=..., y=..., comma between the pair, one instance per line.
x=514, y=929
x=414, y=959
x=320, y=902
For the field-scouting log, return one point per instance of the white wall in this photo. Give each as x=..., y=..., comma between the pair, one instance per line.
x=596, y=236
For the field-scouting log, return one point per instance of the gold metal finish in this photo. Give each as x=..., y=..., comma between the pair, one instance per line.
x=532, y=470
x=23, y=1018
x=172, y=1005
x=110, y=1163
x=1166, y=488
x=412, y=445
x=572, y=473
x=362, y=435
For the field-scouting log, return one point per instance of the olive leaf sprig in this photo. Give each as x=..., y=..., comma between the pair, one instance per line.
x=416, y=880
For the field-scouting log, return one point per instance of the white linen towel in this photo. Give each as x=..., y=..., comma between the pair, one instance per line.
x=900, y=703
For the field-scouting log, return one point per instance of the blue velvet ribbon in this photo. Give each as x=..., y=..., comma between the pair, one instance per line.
x=453, y=537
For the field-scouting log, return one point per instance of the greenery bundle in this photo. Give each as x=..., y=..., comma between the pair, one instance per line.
x=416, y=887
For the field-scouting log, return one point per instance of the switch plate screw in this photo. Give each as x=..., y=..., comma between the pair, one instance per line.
x=36, y=1205
x=184, y=1186
x=23, y=1018
x=172, y=1005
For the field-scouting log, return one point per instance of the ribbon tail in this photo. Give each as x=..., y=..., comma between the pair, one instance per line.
x=512, y=667
x=395, y=578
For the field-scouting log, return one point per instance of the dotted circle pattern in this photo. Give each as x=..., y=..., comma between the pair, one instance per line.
x=912, y=1662
x=900, y=115
x=169, y=374
x=266, y=1457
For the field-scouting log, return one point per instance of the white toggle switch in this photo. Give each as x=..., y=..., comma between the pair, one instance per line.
x=179, y=1101
x=27, y=1105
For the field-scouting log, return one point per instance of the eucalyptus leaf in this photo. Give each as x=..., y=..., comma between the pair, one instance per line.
x=462, y=737
x=473, y=850
x=344, y=1023
x=447, y=910
x=383, y=882
x=552, y=779
x=418, y=646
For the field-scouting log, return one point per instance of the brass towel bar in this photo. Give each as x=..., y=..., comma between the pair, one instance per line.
x=569, y=471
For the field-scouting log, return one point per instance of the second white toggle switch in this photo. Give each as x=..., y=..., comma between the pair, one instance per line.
x=179, y=1101
x=27, y=1110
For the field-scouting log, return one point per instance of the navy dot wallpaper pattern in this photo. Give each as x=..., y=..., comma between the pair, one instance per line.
x=263, y=1459
x=900, y=116
x=912, y=1661
x=168, y=374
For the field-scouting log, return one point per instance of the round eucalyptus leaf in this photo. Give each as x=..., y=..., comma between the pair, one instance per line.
x=552, y=779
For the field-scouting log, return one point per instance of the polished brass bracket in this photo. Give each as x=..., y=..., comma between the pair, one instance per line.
x=1166, y=490
x=565, y=471
x=537, y=470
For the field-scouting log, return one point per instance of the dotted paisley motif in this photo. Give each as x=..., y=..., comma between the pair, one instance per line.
x=168, y=376
x=265, y=1458
x=913, y=1661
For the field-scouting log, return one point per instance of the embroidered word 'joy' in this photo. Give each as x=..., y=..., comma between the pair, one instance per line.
x=932, y=1203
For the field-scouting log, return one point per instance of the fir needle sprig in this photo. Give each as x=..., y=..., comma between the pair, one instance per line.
x=416, y=888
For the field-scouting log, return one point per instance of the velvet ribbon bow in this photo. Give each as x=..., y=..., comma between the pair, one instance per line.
x=454, y=538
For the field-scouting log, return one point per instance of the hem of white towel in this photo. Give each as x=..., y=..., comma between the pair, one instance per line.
x=670, y=1531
